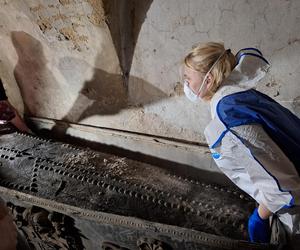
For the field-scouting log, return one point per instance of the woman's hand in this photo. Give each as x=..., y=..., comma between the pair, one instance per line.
x=17, y=121
x=263, y=212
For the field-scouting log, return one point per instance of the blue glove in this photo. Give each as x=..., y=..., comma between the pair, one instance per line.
x=258, y=228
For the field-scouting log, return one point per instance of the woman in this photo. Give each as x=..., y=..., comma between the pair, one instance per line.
x=253, y=139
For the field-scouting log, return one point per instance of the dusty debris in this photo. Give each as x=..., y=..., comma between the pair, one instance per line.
x=80, y=158
x=116, y=166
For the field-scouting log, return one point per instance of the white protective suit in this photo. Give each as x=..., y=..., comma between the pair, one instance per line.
x=248, y=155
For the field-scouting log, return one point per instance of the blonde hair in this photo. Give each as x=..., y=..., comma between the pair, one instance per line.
x=203, y=56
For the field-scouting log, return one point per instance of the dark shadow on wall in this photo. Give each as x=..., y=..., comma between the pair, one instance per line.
x=124, y=19
x=31, y=73
x=31, y=62
x=104, y=94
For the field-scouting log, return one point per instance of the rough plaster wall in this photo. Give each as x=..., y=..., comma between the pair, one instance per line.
x=52, y=49
x=67, y=57
x=172, y=27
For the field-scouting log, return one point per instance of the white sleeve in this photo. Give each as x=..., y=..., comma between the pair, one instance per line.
x=248, y=156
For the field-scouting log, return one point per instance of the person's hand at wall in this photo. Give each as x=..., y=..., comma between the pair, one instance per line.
x=18, y=122
x=258, y=225
x=9, y=114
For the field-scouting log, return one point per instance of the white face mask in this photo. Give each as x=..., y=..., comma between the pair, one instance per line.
x=189, y=93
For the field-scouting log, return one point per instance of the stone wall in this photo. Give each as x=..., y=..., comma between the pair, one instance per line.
x=115, y=63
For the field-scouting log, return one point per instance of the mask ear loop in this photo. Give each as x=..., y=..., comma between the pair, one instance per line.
x=206, y=75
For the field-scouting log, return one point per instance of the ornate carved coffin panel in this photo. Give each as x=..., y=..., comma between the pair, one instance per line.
x=84, y=199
